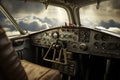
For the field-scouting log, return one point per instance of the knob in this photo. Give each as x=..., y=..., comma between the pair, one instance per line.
x=83, y=46
x=55, y=35
x=74, y=46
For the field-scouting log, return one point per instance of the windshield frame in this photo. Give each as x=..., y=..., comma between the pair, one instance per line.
x=6, y=13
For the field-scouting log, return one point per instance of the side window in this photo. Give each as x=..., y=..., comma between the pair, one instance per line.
x=107, y=17
x=33, y=16
x=8, y=26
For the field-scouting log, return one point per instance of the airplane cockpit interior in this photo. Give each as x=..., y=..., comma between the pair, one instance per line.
x=59, y=40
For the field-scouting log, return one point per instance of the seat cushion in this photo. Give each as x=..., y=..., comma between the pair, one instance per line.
x=37, y=72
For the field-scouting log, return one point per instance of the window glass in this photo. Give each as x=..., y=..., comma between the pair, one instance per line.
x=33, y=16
x=107, y=17
x=8, y=26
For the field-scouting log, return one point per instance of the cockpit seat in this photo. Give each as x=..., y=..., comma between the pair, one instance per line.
x=12, y=68
x=37, y=72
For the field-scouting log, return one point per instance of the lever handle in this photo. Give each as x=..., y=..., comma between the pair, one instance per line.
x=61, y=58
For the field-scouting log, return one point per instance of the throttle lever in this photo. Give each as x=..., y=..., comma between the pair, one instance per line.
x=61, y=59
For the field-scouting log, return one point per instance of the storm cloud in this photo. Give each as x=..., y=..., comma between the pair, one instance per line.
x=106, y=17
x=108, y=11
x=110, y=23
x=28, y=22
x=34, y=24
x=16, y=6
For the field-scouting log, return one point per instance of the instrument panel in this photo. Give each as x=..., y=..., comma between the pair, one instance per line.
x=46, y=38
x=80, y=40
x=105, y=44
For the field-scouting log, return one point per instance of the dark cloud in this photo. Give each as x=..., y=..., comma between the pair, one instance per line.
x=33, y=26
x=52, y=21
x=9, y=27
x=110, y=23
x=37, y=23
x=2, y=18
x=4, y=23
x=16, y=6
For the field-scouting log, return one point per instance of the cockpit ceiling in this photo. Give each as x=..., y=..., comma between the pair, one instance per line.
x=79, y=3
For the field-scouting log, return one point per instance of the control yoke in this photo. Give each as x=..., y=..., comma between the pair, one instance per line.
x=58, y=54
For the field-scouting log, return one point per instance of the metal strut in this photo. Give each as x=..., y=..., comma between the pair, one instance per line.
x=12, y=20
x=60, y=59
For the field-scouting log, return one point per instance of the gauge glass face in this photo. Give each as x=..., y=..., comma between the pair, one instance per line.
x=97, y=36
x=105, y=37
x=55, y=35
x=61, y=36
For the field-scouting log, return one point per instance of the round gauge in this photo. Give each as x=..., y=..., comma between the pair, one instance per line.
x=97, y=36
x=97, y=45
x=55, y=35
x=105, y=37
x=61, y=36
x=82, y=32
x=46, y=34
x=83, y=46
x=104, y=45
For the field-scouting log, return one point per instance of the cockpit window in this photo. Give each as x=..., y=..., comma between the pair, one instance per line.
x=106, y=17
x=8, y=26
x=33, y=16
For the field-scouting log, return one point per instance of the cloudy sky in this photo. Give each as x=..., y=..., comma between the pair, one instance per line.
x=107, y=16
x=34, y=16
